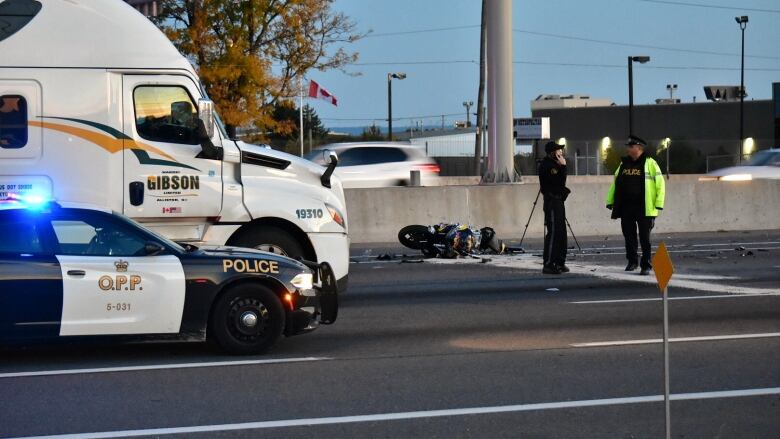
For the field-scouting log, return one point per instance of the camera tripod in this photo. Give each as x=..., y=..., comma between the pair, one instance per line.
x=531, y=216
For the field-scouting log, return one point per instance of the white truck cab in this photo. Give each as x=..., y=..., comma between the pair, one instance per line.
x=97, y=106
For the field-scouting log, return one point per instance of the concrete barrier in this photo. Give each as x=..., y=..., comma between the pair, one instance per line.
x=376, y=215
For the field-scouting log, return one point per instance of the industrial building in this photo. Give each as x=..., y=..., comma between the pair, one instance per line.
x=710, y=129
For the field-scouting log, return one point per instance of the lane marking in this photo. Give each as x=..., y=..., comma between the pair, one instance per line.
x=726, y=244
x=610, y=272
x=159, y=367
x=733, y=244
x=680, y=251
x=673, y=340
x=592, y=252
x=737, y=243
x=418, y=414
x=655, y=299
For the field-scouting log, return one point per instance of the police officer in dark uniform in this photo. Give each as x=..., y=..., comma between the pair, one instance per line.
x=552, y=184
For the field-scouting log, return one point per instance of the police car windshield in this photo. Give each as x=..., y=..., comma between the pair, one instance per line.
x=156, y=235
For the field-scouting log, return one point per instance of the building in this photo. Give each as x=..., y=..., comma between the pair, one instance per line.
x=150, y=8
x=708, y=128
x=546, y=102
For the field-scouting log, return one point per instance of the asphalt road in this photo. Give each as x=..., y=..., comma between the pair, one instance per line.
x=453, y=348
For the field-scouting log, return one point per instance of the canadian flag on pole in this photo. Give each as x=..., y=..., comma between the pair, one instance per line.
x=317, y=92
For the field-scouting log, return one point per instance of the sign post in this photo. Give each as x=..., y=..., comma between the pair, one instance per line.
x=662, y=266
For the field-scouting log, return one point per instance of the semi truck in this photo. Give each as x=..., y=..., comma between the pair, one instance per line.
x=98, y=106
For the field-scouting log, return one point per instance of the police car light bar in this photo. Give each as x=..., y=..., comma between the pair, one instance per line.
x=32, y=201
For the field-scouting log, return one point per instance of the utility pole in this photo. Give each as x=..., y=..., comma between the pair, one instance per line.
x=478, y=143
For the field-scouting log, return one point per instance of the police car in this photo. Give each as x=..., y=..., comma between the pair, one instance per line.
x=70, y=270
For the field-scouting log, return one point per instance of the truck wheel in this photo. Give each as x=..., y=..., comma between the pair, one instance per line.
x=247, y=319
x=271, y=239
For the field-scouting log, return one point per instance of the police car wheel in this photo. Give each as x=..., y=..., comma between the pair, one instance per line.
x=271, y=239
x=247, y=319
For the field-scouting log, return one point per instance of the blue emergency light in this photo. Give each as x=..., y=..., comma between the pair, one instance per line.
x=29, y=201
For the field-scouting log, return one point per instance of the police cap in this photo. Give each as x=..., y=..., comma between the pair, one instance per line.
x=552, y=146
x=634, y=140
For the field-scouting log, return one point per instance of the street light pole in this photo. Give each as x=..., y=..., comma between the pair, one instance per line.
x=468, y=105
x=389, y=108
x=671, y=88
x=631, y=61
x=390, y=77
x=742, y=21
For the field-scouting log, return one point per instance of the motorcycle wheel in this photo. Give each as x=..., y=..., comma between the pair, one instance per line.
x=416, y=237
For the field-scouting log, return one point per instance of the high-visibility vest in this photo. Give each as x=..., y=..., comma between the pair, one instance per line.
x=655, y=187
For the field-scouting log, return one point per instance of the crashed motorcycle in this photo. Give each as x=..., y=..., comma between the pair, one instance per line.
x=452, y=240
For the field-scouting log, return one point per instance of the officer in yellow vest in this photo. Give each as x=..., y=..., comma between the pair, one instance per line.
x=636, y=196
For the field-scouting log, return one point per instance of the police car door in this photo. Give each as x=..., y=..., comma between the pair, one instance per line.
x=109, y=285
x=30, y=284
x=166, y=174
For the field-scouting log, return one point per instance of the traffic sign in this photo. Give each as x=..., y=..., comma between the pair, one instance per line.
x=662, y=266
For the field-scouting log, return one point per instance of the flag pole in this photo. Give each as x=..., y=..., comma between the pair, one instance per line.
x=300, y=111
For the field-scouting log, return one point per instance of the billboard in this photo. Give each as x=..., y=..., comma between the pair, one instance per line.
x=532, y=128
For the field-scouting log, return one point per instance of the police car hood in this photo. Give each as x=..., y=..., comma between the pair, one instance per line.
x=225, y=251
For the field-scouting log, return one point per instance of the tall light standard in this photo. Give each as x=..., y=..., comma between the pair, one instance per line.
x=468, y=105
x=671, y=88
x=631, y=61
x=742, y=22
x=390, y=77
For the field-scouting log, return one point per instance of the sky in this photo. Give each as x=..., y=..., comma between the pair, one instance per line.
x=551, y=53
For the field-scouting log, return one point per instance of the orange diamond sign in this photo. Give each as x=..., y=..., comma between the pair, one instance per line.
x=662, y=266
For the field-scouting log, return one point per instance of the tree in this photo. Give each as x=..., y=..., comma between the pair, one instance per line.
x=251, y=54
x=287, y=120
x=372, y=133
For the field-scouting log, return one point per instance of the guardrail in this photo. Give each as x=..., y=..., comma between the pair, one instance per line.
x=376, y=215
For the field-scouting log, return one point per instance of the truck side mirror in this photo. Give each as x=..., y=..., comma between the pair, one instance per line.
x=329, y=157
x=206, y=114
x=331, y=160
x=231, y=131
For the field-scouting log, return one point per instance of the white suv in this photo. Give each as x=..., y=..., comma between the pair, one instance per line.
x=378, y=164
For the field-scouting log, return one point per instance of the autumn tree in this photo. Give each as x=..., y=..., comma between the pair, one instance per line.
x=251, y=54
